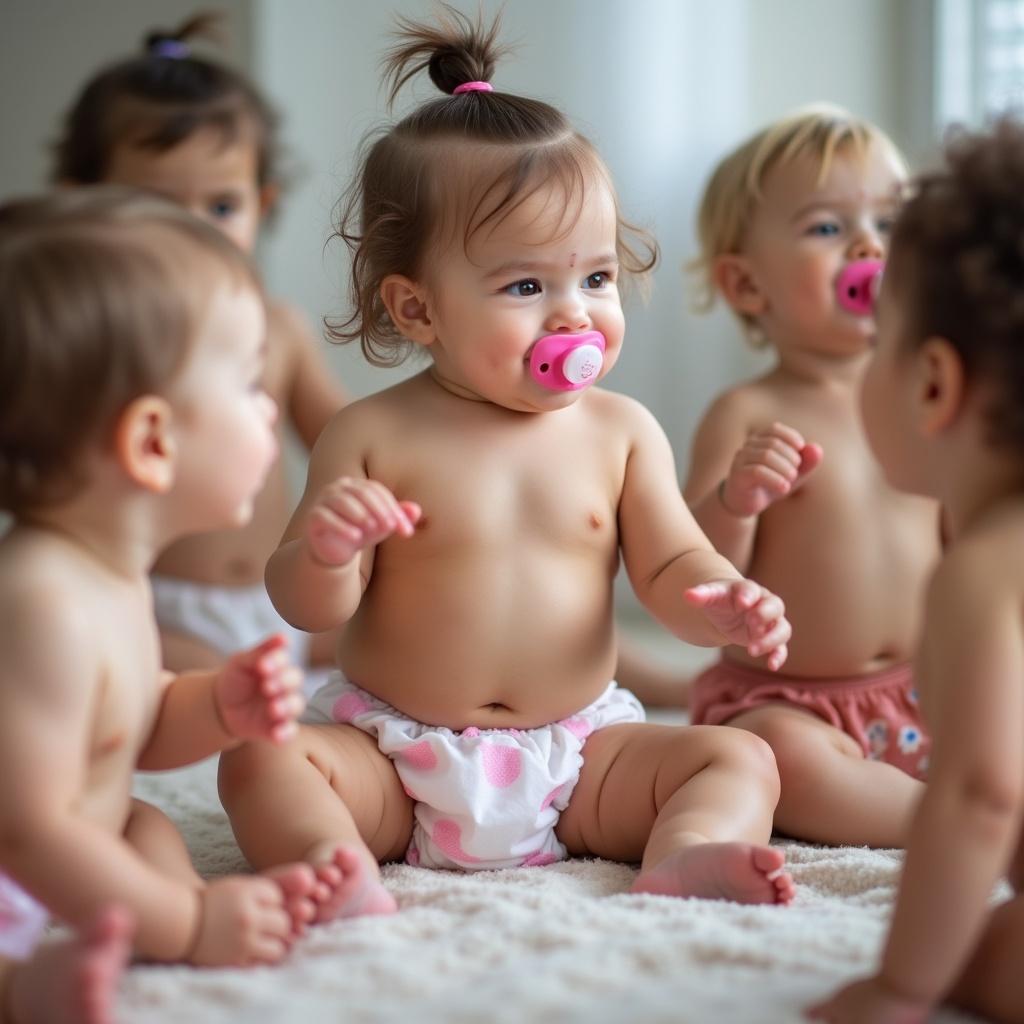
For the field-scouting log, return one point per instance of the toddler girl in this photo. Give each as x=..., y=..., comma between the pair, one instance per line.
x=467, y=525
x=783, y=483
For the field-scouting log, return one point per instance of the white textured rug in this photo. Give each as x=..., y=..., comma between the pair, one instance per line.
x=558, y=944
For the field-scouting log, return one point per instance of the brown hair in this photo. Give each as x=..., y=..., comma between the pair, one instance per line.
x=733, y=192
x=405, y=193
x=157, y=100
x=102, y=289
x=957, y=256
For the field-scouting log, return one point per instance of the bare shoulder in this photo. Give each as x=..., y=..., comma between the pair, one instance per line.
x=44, y=607
x=287, y=325
x=621, y=412
x=739, y=409
x=986, y=565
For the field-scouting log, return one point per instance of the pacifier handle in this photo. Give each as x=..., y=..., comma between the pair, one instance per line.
x=857, y=286
x=567, y=362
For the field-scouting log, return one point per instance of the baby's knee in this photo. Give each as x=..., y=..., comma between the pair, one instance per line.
x=753, y=756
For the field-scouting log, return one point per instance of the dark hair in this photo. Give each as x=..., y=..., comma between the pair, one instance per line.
x=402, y=195
x=957, y=253
x=157, y=100
x=102, y=291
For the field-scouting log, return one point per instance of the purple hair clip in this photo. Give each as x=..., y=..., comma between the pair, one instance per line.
x=173, y=49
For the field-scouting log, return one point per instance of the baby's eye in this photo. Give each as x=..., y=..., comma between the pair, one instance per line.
x=824, y=228
x=221, y=208
x=885, y=225
x=524, y=289
x=599, y=279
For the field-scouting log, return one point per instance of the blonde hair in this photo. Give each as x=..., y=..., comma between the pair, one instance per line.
x=734, y=191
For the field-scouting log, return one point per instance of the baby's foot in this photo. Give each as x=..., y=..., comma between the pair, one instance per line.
x=74, y=981
x=349, y=887
x=721, y=871
x=302, y=890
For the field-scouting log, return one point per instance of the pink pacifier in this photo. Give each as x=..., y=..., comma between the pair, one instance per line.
x=567, y=362
x=857, y=287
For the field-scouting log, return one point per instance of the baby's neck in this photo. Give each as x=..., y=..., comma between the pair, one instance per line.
x=815, y=367
x=119, y=534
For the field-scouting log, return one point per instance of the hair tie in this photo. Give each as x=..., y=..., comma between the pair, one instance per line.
x=173, y=49
x=473, y=87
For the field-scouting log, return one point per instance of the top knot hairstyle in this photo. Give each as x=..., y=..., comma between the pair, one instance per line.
x=957, y=255
x=102, y=291
x=412, y=189
x=160, y=98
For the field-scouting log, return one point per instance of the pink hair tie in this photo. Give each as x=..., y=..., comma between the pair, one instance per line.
x=473, y=87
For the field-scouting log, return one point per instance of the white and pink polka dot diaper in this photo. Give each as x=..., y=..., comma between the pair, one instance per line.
x=485, y=798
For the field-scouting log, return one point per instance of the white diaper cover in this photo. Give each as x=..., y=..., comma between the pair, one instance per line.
x=22, y=920
x=485, y=798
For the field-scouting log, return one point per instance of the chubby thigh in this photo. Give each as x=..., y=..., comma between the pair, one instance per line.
x=329, y=783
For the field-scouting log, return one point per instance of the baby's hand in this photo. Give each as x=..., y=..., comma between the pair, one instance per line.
x=747, y=615
x=869, y=1002
x=771, y=464
x=352, y=514
x=243, y=920
x=258, y=693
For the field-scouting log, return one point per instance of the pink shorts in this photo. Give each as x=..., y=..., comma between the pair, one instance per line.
x=880, y=711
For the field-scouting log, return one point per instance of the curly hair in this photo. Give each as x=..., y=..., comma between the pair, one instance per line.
x=411, y=186
x=957, y=255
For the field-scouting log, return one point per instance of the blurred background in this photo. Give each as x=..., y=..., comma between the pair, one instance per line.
x=664, y=88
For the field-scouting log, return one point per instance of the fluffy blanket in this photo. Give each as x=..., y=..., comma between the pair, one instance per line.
x=563, y=943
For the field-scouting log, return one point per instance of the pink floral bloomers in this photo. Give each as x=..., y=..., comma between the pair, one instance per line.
x=880, y=711
x=22, y=920
x=485, y=798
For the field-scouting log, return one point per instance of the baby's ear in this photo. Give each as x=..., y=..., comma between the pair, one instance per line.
x=735, y=282
x=941, y=386
x=269, y=195
x=144, y=445
x=406, y=303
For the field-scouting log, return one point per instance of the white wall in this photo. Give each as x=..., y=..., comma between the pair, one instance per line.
x=663, y=87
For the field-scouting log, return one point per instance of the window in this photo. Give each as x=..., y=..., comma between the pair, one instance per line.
x=979, y=59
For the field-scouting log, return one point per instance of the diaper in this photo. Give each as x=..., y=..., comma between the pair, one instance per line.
x=22, y=920
x=227, y=619
x=484, y=798
x=880, y=711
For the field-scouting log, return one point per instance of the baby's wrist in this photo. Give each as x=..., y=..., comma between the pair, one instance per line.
x=720, y=491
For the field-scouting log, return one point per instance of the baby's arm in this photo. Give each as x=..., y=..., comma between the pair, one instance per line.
x=257, y=694
x=968, y=821
x=736, y=473
x=51, y=687
x=676, y=573
x=317, y=576
x=313, y=395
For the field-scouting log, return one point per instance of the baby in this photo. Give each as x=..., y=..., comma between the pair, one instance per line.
x=944, y=412
x=467, y=525
x=132, y=342
x=200, y=133
x=794, y=225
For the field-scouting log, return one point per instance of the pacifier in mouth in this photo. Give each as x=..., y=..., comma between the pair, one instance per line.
x=567, y=362
x=857, y=286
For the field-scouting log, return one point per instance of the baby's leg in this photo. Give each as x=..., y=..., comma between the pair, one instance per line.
x=830, y=792
x=328, y=797
x=693, y=803
x=159, y=843
x=992, y=984
x=72, y=981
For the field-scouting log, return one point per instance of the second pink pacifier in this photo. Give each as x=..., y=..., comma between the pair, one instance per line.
x=567, y=362
x=857, y=286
